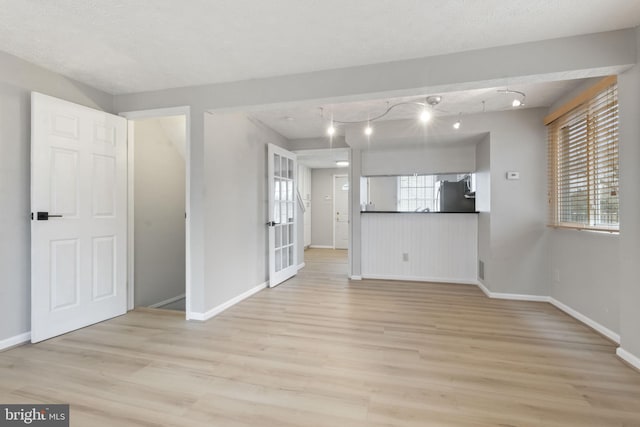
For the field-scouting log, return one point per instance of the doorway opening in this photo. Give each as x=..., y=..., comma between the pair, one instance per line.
x=158, y=273
x=324, y=189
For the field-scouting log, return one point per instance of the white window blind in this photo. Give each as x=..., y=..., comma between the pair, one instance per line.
x=583, y=164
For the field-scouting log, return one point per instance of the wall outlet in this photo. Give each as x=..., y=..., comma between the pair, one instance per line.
x=405, y=256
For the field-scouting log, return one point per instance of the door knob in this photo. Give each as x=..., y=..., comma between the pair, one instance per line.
x=44, y=216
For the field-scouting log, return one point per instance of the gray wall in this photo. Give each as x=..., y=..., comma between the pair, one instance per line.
x=483, y=201
x=236, y=250
x=629, y=100
x=322, y=202
x=17, y=79
x=422, y=160
x=383, y=192
x=159, y=226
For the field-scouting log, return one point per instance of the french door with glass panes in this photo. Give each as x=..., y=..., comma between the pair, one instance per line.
x=282, y=215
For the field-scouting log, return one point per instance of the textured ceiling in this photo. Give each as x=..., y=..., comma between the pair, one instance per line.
x=131, y=46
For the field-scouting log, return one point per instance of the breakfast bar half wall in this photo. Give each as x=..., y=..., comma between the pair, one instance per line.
x=420, y=246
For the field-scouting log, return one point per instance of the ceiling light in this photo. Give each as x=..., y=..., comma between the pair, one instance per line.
x=458, y=122
x=368, y=130
x=331, y=130
x=425, y=116
x=518, y=101
x=342, y=163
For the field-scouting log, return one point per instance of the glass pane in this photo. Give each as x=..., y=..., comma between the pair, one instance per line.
x=290, y=212
x=291, y=234
x=285, y=169
x=278, y=231
x=421, y=180
x=276, y=186
x=290, y=191
x=276, y=165
x=276, y=211
x=290, y=255
x=283, y=190
x=421, y=193
x=285, y=235
x=278, y=260
x=285, y=258
x=290, y=168
x=283, y=212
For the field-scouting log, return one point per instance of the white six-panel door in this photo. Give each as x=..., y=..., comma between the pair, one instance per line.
x=282, y=219
x=78, y=179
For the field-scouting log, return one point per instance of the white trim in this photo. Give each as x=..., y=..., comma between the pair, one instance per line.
x=15, y=340
x=167, y=301
x=130, y=216
x=225, y=305
x=320, y=247
x=157, y=113
x=628, y=357
x=355, y=278
x=512, y=297
x=301, y=266
x=587, y=321
x=559, y=305
x=421, y=279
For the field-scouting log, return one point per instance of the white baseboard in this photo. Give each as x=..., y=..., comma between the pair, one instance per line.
x=320, y=247
x=222, y=307
x=355, y=278
x=628, y=357
x=420, y=279
x=301, y=266
x=15, y=340
x=512, y=297
x=167, y=301
x=587, y=321
x=561, y=306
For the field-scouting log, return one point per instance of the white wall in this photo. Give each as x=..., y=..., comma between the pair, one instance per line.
x=159, y=203
x=236, y=250
x=17, y=79
x=322, y=202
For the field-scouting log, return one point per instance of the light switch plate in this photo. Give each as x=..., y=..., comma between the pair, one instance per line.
x=513, y=175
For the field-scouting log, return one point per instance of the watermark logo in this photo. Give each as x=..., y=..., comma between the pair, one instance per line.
x=34, y=415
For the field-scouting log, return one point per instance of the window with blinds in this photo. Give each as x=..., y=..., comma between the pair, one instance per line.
x=583, y=163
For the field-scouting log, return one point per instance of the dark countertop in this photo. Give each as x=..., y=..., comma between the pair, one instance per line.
x=411, y=212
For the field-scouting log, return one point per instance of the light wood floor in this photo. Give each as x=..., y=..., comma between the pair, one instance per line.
x=321, y=351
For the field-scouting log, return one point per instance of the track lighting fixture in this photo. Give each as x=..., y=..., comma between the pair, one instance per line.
x=518, y=100
x=424, y=116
